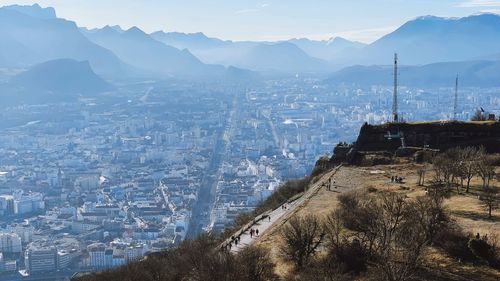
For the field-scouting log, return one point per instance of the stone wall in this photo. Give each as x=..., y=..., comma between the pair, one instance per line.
x=433, y=135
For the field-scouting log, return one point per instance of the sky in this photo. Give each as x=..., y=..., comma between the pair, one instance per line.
x=262, y=20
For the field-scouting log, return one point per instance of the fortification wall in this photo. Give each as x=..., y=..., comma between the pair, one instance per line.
x=434, y=135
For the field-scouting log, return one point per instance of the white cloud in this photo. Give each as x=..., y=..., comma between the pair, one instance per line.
x=253, y=10
x=246, y=11
x=479, y=3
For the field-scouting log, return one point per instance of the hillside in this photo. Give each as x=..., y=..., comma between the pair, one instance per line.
x=464, y=208
x=63, y=75
x=348, y=222
x=55, y=81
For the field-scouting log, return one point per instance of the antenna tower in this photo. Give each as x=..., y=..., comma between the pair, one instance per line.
x=455, y=105
x=395, y=93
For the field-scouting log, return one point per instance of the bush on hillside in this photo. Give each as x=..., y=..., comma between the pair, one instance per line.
x=194, y=260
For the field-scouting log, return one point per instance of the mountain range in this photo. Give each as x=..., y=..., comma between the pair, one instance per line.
x=471, y=73
x=139, y=49
x=31, y=35
x=329, y=50
x=432, y=39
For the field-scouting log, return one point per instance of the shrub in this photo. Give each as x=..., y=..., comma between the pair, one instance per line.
x=454, y=242
x=255, y=264
x=301, y=237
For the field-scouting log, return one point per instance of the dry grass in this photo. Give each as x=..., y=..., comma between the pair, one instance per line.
x=464, y=208
x=441, y=267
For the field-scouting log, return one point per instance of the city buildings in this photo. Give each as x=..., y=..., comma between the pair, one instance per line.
x=104, y=181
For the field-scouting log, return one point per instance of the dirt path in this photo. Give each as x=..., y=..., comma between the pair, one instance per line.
x=278, y=215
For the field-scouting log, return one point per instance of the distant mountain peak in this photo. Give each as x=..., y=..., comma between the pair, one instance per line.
x=34, y=10
x=117, y=28
x=107, y=29
x=343, y=41
x=135, y=31
x=337, y=38
x=431, y=17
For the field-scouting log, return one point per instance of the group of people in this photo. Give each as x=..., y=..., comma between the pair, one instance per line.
x=237, y=239
x=254, y=232
x=396, y=179
x=331, y=182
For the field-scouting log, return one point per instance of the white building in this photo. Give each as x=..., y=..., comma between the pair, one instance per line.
x=6, y=205
x=7, y=266
x=41, y=258
x=135, y=252
x=25, y=231
x=97, y=253
x=23, y=206
x=63, y=259
x=10, y=243
x=28, y=203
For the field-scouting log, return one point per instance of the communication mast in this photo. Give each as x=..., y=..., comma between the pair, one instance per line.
x=395, y=93
x=455, y=105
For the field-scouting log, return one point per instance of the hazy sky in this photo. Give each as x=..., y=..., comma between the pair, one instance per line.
x=363, y=20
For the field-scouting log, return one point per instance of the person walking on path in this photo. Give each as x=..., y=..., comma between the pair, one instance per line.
x=257, y=232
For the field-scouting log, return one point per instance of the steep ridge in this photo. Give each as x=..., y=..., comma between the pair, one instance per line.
x=139, y=49
x=28, y=40
x=432, y=39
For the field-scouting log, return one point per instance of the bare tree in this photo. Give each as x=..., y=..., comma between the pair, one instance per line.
x=456, y=166
x=444, y=169
x=393, y=231
x=421, y=175
x=490, y=199
x=429, y=212
x=484, y=168
x=332, y=227
x=255, y=264
x=478, y=116
x=302, y=236
x=469, y=158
